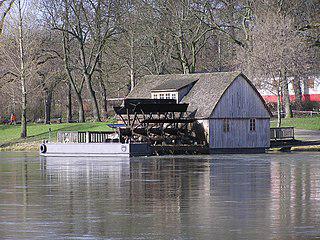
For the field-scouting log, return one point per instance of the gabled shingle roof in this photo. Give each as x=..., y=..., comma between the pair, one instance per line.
x=147, y=83
x=173, y=85
x=204, y=95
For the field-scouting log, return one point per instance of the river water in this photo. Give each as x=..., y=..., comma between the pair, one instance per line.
x=266, y=196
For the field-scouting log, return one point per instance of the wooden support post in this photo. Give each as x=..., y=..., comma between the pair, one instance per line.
x=129, y=122
x=293, y=133
x=134, y=119
x=87, y=137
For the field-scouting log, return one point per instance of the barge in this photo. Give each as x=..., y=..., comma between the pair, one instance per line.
x=93, y=144
x=148, y=127
x=94, y=149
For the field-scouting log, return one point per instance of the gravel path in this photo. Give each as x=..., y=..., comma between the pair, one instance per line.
x=310, y=135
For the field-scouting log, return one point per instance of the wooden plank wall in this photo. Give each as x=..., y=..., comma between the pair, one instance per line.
x=240, y=135
x=238, y=104
x=240, y=100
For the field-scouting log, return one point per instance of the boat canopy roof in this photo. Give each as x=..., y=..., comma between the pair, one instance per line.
x=147, y=106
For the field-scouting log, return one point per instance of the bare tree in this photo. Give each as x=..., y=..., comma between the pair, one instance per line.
x=90, y=23
x=231, y=24
x=277, y=53
x=5, y=7
x=189, y=33
x=22, y=74
x=21, y=39
x=50, y=76
x=77, y=87
x=129, y=49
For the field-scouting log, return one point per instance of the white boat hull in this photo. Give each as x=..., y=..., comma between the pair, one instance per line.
x=94, y=149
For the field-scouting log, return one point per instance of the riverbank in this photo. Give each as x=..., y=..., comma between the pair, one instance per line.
x=311, y=146
x=21, y=147
x=10, y=134
x=305, y=123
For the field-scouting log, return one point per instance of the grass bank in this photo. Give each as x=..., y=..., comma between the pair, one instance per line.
x=308, y=123
x=10, y=134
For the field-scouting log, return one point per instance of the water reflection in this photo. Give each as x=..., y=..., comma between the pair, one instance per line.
x=193, y=197
x=296, y=196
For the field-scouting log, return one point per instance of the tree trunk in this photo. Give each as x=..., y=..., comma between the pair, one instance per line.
x=88, y=80
x=104, y=97
x=181, y=47
x=297, y=92
x=184, y=65
x=132, y=72
x=72, y=82
x=132, y=79
x=194, y=58
x=95, y=106
x=219, y=56
x=48, y=101
x=80, y=108
x=81, y=112
x=103, y=91
x=80, y=104
x=79, y=101
x=286, y=95
x=24, y=112
x=279, y=106
x=22, y=77
x=69, y=105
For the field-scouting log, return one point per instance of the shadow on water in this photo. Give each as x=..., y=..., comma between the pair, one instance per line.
x=271, y=196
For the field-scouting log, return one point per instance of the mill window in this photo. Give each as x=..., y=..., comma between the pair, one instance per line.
x=161, y=96
x=167, y=95
x=226, y=125
x=252, y=124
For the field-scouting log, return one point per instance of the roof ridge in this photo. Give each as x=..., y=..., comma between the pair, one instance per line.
x=192, y=74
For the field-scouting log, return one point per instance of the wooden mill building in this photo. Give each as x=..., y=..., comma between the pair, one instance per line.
x=226, y=105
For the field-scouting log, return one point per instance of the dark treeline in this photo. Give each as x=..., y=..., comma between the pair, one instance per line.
x=66, y=58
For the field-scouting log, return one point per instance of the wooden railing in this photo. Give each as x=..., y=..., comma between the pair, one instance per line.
x=308, y=113
x=87, y=137
x=282, y=133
